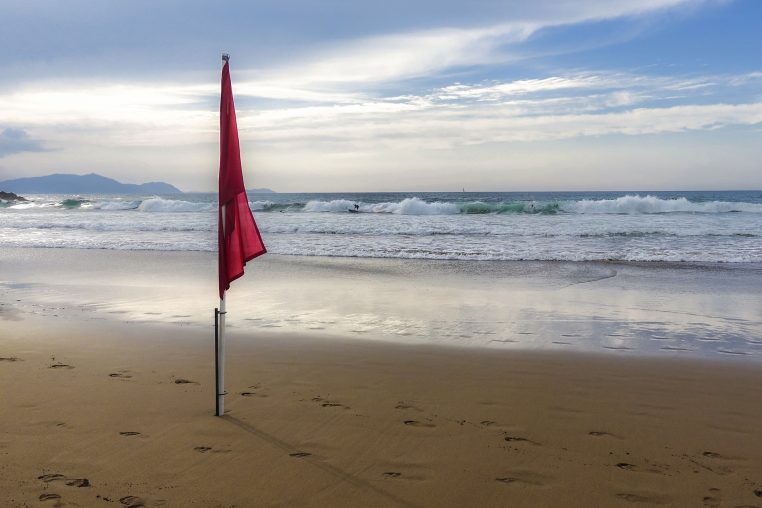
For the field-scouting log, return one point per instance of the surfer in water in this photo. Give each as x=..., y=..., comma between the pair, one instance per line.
x=357, y=207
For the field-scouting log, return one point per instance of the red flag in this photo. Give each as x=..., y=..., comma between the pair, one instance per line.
x=239, y=239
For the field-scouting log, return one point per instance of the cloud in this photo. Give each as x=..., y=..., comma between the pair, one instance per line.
x=405, y=55
x=328, y=42
x=551, y=108
x=576, y=104
x=447, y=126
x=419, y=53
x=16, y=141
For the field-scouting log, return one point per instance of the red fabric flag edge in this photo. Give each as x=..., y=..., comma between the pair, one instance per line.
x=239, y=241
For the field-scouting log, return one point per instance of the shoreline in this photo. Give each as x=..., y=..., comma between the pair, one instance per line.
x=615, y=308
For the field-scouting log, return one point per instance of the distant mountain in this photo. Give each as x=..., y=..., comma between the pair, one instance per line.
x=83, y=184
x=260, y=191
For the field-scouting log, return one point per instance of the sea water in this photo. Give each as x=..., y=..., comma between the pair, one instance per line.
x=496, y=270
x=696, y=227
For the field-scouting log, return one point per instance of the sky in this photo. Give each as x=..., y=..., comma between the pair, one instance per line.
x=368, y=95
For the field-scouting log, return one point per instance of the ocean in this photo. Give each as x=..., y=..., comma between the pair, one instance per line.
x=665, y=273
x=695, y=227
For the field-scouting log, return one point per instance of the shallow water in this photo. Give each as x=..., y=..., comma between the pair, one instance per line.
x=710, y=311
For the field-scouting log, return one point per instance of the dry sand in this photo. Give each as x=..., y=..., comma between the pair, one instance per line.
x=107, y=414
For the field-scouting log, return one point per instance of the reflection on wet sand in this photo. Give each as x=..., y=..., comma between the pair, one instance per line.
x=663, y=309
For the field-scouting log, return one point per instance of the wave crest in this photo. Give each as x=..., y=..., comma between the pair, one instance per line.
x=408, y=206
x=172, y=205
x=635, y=204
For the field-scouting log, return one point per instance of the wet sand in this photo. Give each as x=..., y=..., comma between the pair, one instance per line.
x=663, y=310
x=354, y=383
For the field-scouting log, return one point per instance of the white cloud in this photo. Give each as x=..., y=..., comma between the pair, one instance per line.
x=411, y=54
x=405, y=55
x=554, y=107
x=445, y=127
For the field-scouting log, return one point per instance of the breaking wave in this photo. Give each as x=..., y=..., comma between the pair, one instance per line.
x=630, y=204
x=634, y=204
x=624, y=205
x=172, y=205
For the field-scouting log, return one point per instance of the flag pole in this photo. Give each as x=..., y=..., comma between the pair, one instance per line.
x=239, y=240
x=220, y=342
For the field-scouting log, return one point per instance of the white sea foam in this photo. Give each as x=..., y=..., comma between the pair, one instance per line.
x=28, y=205
x=261, y=205
x=337, y=205
x=632, y=204
x=112, y=205
x=416, y=206
x=408, y=206
x=171, y=205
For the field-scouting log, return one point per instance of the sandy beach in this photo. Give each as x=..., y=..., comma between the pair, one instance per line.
x=103, y=409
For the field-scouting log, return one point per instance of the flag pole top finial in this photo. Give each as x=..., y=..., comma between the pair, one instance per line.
x=225, y=57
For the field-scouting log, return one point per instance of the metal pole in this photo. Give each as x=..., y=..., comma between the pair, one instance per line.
x=216, y=360
x=221, y=361
x=220, y=406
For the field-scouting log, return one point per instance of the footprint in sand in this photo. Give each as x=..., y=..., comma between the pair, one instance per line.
x=181, y=381
x=123, y=374
x=61, y=366
x=710, y=500
x=78, y=482
x=403, y=405
x=139, y=502
x=47, y=478
x=600, y=433
x=205, y=449
x=256, y=393
x=392, y=474
x=517, y=439
x=416, y=423
x=132, y=502
x=299, y=455
x=9, y=359
x=129, y=433
x=648, y=499
x=49, y=497
x=626, y=466
x=71, y=482
x=328, y=403
x=525, y=478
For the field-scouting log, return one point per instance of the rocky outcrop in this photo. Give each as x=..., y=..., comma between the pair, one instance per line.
x=9, y=196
